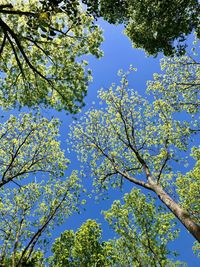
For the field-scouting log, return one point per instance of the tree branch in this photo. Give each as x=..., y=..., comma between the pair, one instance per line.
x=3, y=44
x=39, y=232
x=6, y=28
x=16, y=12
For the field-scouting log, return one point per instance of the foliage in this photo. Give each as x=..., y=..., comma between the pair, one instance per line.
x=113, y=137
x=196, y=249
x=159, y=26
x=41, y=50
x=36, y=260
x=143, y=232
x=30, y=152
x=146, y=143
x=28, y=146
x=31, y=211
x=179, y=84
x=156, y=26
x=81, y=248
x=179, y=87
x=144, y=229
x=188, y=188
x=113, y=11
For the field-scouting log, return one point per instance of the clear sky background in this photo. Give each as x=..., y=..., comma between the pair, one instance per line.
x=118, y=54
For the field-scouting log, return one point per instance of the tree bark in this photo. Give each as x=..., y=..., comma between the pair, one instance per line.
x=180, y=213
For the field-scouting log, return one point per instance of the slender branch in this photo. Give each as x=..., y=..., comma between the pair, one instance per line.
x=189, y=85
x=16, y=184
x=108, y=175
x=16, y=153
x=155, y=258
x=136, y=152
x=190, y=63
x=135, y=180
x=36, y=236
x=15, y=37
x=194, y=130
x=17, y=12
x=162, y=168
x=15, y=53
x=3, y=44
x=165, y=161
x=125, y=174
x=2, y=183
x=16, y=243
x=38, y=46
x=5, y=6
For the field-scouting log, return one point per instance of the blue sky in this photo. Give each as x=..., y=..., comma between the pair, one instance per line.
x=118, y=54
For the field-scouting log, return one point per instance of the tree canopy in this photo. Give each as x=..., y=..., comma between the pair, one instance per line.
x=35, y=195
x=29, y=146
x=144, y=142
x=41, y=50
x=30, y=213
x=143, y=234
x=156, y=26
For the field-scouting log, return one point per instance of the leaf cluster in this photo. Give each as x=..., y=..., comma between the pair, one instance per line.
x=41, y=47
x=155, y=26
x=143, y=234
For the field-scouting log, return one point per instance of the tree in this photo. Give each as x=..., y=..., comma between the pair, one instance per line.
x=36, y=260
x=30, y=213
x=35, y=196
x=41, y=49
x=80, y=248
x=143, y=234
x=155, y=26
x=29, y=146
x=179, y=85
x=145, y=143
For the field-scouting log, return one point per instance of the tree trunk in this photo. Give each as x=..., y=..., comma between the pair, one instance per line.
x=180, y=213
